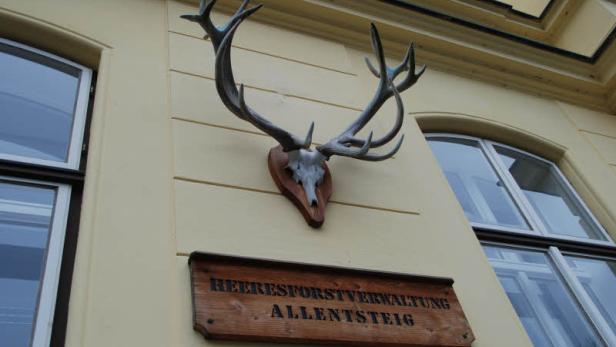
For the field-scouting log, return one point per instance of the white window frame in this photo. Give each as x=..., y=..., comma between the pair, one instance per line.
x=580, y=293
x=48, y=288
x=538, y=229
x=563, y=180
x=79, y=116
x=571, y=283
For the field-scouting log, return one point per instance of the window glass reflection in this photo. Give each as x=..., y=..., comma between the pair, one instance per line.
x=545, y=307
x=598, y=278
x=478, y=189
x=37, y=103
x=558, y=209
x=25, y=220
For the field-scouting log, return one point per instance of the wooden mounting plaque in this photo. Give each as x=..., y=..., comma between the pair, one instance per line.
x=261, y=300
x=277, y=161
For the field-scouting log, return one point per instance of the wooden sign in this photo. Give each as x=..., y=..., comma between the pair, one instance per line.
x=261, y=300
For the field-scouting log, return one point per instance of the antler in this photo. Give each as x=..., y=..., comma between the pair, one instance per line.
x=343, y=143
x=221, y=38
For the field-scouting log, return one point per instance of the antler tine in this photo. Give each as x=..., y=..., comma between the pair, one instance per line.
x=216, y=34
x=377, y=47
x=339, y=149
x=380, y=157
x=234, y=99
x=371, y=67
x=407, y=64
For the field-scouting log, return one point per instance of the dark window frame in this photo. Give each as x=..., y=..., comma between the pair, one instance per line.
x=73, y=177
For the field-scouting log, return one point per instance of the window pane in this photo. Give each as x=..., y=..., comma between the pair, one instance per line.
x=558, y=209
x=545, y=307
x=478, y=189
x=37, y=103
x=598, y=278
x=25, y=220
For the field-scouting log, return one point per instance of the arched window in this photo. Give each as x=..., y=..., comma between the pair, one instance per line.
x=551, y=255
x=43, y=107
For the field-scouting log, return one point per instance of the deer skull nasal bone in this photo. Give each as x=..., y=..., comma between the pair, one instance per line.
x=307, y=168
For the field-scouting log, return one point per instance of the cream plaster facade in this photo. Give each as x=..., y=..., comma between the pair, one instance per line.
x=171, y=171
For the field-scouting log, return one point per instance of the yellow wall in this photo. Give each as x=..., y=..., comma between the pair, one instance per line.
x=171, y=171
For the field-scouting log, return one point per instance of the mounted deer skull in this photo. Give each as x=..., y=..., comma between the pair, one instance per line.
x=307, y=166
